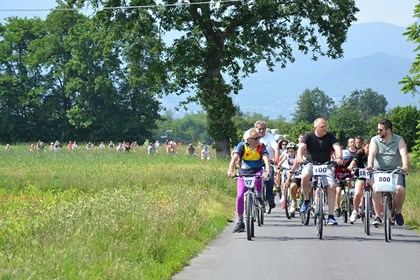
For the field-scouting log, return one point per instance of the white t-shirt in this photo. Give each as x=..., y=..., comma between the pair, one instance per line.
x=270, y=143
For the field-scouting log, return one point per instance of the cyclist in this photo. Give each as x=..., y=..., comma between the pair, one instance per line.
x=360, y=161
x=388, y=151
x=351, y=147
x=358, y=142
x=252, y=156
x=342, y=173
x=293, y=178
x=273, y=152
x=286, y=161
x=318, y=146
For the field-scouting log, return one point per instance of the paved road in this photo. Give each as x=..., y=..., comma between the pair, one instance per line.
x=286, y=249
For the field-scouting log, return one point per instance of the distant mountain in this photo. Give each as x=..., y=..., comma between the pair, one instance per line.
x=376, y=56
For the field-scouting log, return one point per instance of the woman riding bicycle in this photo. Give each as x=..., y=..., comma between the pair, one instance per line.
x=252, y=156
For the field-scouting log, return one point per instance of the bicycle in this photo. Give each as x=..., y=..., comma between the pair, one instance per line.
x=319, y=172
x=252, y=211
x=366, y=208
x=386, y=183
x=346, y=202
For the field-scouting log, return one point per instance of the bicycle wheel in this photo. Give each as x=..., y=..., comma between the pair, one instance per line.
x=387, y=219
x=254, y=214
x=366, y=219
x=345, y=207
x=262, y=216
x=320, y=213
x=248, y=211
x=287, y=201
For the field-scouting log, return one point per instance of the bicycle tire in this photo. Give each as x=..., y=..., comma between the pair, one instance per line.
x=287, y=202
x=366, y=220
x=320, y=214
x=262, y=216
x=344, y=207
x=248, y=212
x=387, y=219
x=253, y=223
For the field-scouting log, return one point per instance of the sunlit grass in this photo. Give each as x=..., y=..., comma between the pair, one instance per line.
x=107, y=214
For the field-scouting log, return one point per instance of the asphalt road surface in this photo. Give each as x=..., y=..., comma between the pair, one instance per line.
x=286, y=249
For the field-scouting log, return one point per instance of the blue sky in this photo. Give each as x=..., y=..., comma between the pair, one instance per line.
x=398, y=12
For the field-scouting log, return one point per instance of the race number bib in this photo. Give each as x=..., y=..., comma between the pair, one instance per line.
x=385, y=182
x=320, y=170
x=249, y=182
x=362, y=173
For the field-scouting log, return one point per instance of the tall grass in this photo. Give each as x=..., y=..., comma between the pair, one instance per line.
x=411, y=208
x=107, y=215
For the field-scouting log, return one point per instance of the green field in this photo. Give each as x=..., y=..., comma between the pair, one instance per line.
x=110, y=215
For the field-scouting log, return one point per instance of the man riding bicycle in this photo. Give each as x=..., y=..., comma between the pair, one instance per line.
x=388, y=151
x=318, y=146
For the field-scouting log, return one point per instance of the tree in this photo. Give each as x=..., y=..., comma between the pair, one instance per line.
x=412, y=82
x=367, y=102
x=299, y=128
x=228, y=39
x=404, y=121
x=21, y=88
x=312, y=104
x=346, y=122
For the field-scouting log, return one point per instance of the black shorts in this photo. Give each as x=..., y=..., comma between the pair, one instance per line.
x=296, y=181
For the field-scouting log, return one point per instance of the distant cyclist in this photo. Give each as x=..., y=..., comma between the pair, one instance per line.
x=252, y=157
x=360, y=161
x=388, y=151
x=318, y=146
x=294, y=179
x=342, y=174
x=273, y=152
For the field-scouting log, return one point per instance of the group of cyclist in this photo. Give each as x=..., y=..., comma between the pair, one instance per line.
x=261, y=154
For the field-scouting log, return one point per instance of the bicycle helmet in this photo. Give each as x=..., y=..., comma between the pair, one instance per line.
x=346, y=154
x=291, y=145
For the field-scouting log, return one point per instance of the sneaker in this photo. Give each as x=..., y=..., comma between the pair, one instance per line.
x=272, y=204
x=283, y=204
x=293, y=207
x=260, y=202
x=332, y=221
x=305, y=206
x=377, y=222
x=353, y=216
x=399, y=219
x=240, y=227
x=337, y=212
x=282, y=199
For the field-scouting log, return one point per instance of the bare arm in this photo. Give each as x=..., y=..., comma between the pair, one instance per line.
x=372, y=154
x=301, y=152
x=235, y=158
x=404, y=156
x=338, y=153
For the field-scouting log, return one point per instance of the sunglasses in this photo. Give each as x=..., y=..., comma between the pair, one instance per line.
x=256, y=138
x=379, y=130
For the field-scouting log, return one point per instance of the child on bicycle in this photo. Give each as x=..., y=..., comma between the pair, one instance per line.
x=252, y=155
x=342, y=175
